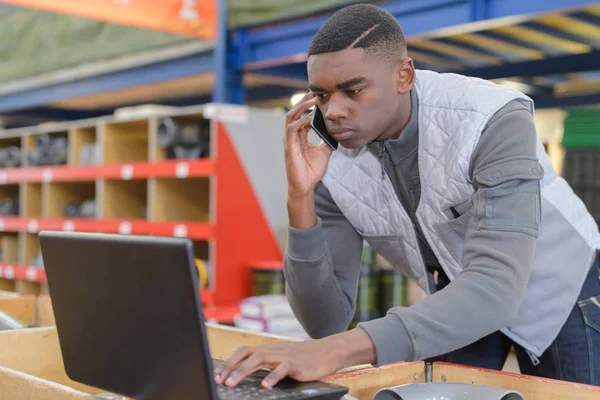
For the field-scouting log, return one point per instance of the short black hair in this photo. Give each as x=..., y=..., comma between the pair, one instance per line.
x=363, y=26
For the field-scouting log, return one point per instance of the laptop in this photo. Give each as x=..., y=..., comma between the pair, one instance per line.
x=129, y=320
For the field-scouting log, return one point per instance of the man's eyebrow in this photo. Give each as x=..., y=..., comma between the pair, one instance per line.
x=351, y=82
x=342, y=86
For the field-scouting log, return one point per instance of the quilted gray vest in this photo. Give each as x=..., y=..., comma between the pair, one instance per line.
x=453, y=111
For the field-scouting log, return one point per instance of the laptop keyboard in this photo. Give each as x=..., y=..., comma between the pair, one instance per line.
x=252, y=392
x=250, y=389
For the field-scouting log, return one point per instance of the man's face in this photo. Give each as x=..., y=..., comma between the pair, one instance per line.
x=357, y=95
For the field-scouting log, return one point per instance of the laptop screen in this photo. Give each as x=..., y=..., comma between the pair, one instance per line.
x=128, y=314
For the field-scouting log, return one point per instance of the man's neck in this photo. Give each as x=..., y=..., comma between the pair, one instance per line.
x=400, y=123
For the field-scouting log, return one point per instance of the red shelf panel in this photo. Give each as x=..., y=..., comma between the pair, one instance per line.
x=192, y=230
x=207, y=296
x=22, y=273
x=137, y=170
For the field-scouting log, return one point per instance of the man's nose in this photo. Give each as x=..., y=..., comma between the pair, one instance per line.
x=336, y=108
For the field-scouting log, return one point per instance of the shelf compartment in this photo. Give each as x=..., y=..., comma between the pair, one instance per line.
x=202, y=252
x=9, y=245
x=47, y=149
x=26, y=287
x=124, y=199
x=31, y=200
x=184, y=137
x=125, y=142
x=9, y=200
x=29, y=251
x=180, y=199
x=6, y=285
x=83, y=146
x=56, y=196
x=202, y=249
x=30, y=260
x=11, y=154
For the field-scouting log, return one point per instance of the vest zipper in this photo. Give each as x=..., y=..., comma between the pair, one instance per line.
x=382, y=156
x=403, y=201
x=534, y=360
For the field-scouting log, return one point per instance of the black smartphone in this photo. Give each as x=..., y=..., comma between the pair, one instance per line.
x=318, y=124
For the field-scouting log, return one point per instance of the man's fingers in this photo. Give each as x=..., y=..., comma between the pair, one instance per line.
x=307, y=102
x=295, y=127
x=250, y=365
x=224, y=369
x=304, y=104
x=276, y=375
x=303, y=134
x=299, y=124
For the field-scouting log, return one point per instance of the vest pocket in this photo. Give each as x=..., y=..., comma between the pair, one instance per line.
x=515, y=209
x=452, y=234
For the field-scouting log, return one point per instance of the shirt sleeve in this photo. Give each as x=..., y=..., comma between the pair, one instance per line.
x=321, y=268
x=500, y=241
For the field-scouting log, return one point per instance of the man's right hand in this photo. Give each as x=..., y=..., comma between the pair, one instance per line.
x=305, y=163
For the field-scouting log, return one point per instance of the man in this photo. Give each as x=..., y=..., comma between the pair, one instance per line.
x=444, y=176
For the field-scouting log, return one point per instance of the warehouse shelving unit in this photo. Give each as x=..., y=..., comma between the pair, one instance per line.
x=137, y=190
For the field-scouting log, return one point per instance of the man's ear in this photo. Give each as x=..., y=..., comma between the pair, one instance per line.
x=406, y=75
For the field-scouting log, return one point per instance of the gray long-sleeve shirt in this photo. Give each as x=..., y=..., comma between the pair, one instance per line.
x=322, y=263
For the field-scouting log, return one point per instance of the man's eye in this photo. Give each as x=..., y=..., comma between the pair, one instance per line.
x=321, y=95
x=354, y=91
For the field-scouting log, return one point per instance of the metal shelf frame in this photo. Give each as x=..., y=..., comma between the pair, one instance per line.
x=277, y=51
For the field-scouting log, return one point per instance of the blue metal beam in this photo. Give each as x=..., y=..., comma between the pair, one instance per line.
x=270, y=92
x=288, y=40
x=550, y=66
x=291, y=71
x=479, y=10
x=158, y=72
x=38, y=115
x=508, y=8
x=277, y=43
x=56, y=114
x=228, y=86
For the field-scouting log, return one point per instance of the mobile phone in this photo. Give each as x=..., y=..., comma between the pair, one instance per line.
x=318, y=124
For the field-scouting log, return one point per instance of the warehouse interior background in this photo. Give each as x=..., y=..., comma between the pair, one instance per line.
x=93, y=115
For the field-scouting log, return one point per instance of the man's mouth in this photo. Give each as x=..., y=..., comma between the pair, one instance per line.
x=341, y=134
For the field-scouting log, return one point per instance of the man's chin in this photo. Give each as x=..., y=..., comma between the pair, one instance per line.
x=353, y=144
